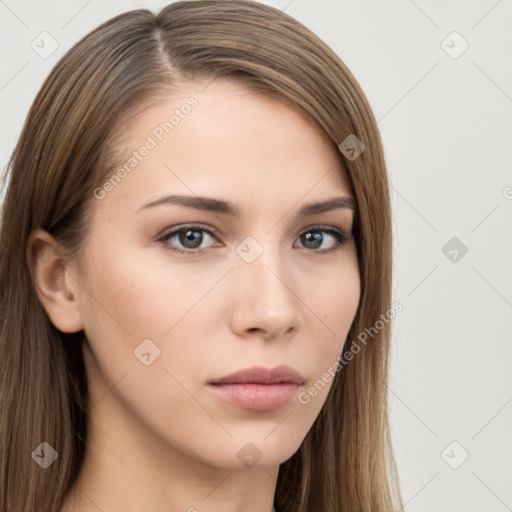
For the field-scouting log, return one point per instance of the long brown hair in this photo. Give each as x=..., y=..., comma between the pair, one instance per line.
x=346, y=462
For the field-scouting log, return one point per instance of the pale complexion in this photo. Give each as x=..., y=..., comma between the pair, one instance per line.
x=159, y=439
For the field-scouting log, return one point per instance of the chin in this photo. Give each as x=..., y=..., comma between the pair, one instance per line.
x=253, y=452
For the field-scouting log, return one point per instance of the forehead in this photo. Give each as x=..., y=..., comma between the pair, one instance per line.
x=220, y=138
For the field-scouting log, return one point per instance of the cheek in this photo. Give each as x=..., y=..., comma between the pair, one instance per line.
x=140, y=295
x=333, y=293
x=330, y=308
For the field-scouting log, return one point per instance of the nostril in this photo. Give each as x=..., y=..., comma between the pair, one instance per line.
x=263, y=333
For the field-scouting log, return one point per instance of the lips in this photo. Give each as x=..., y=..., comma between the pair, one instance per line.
x=261, y=375
x=259, y=389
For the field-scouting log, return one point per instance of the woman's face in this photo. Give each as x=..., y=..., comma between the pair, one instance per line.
x=168, y=313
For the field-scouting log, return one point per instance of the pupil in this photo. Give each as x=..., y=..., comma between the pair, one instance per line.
x=315, y=237
x=191, y=236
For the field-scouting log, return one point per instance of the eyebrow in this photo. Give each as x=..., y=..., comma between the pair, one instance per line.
x=210, y=204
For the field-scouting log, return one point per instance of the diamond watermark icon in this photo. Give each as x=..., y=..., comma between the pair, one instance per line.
x=44, y=45
x=454, y=249
x=454, y=45
x=146, y=352
x=45, y=455
x=351, y=147
x=249, y=249
x=454, y=455
x=249, y=454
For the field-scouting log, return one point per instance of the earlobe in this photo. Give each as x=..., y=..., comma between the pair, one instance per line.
x=55, y=288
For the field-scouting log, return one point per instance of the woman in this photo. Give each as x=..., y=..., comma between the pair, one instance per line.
x=196, y=240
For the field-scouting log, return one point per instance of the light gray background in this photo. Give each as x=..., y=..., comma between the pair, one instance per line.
x=447, y=131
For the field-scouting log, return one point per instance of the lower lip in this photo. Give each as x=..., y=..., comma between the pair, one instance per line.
x=257, y=397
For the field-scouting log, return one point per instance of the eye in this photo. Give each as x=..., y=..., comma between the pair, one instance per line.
x=314, y=238
x=190, y=237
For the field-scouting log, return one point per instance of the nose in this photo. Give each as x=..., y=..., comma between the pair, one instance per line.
x=264, y=303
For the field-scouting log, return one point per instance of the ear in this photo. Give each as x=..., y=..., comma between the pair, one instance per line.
x=57, y=290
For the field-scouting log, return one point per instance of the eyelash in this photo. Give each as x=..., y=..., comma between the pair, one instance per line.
x=342, y=238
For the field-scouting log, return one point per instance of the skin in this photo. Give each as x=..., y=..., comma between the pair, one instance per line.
x=159, y=439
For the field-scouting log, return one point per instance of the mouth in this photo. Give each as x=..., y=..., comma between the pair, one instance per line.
x=259, y=389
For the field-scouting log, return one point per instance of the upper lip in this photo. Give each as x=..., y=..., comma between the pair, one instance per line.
x=262, y=375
